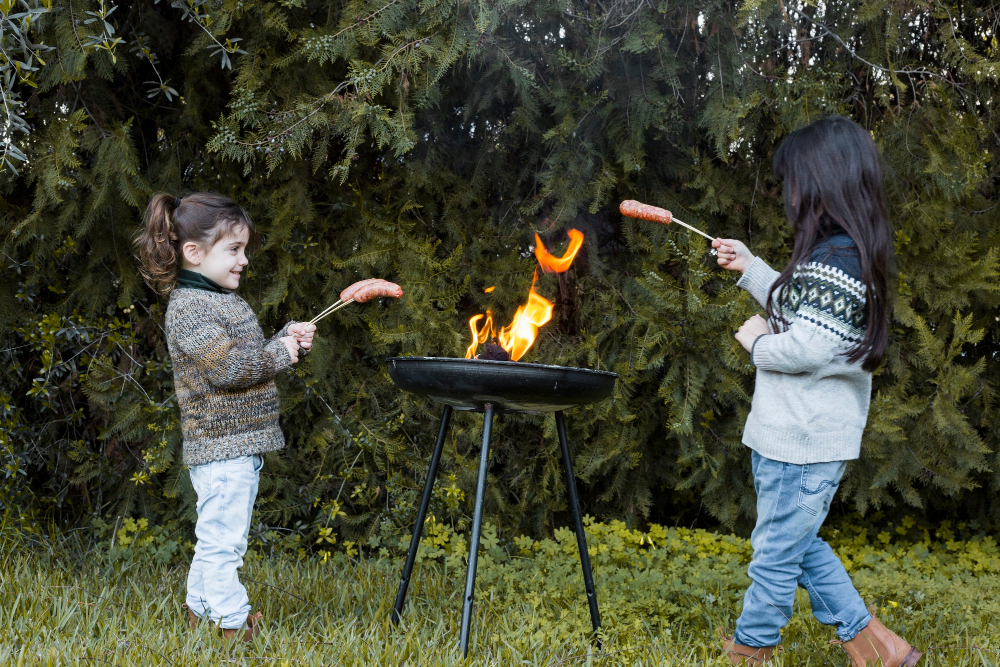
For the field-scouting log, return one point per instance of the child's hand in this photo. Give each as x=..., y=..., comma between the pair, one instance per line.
x=292, y=346
x=363, y=290
x=303, y=333
x=747, y=334
x=733, y=255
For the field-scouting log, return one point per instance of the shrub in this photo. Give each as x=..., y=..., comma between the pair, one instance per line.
x=427, y=142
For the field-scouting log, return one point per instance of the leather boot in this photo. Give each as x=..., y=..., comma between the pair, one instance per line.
x=249, y=630
x=877, y=645
x=192, y=617
x=746, y=655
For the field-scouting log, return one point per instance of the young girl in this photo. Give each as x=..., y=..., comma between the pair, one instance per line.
x=194, y=250
x=826, y=331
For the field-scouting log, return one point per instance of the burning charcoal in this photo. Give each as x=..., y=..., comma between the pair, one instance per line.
x=494, y=353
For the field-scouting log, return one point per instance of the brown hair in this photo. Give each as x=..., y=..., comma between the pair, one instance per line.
x=170, y=222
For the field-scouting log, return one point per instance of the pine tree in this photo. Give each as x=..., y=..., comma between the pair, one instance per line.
x=427, y=143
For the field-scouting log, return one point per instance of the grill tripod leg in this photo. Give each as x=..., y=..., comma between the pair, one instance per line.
x=425, y=500
x=477, y=528
x=581, y=537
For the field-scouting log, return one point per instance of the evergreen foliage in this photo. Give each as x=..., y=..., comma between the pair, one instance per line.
x=426, y=142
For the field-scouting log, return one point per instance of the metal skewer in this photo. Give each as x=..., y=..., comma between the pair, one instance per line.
x=330, y=309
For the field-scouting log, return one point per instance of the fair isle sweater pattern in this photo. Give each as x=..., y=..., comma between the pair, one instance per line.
x=827, y=298
x=224, y=371
x=810, y=403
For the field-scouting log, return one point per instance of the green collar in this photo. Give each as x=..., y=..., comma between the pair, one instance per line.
x=195, y=280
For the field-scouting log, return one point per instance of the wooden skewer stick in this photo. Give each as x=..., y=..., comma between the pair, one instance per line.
x=325, y=311
x=697, y=231
x=331, y=309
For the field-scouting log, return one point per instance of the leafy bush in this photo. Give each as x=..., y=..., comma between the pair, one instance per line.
x=663, y=578
x=427, y=142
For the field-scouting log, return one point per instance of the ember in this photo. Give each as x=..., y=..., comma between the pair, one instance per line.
x=516, y=338
x=494, y=353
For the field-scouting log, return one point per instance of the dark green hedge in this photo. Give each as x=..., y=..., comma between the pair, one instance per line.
x=426, y=143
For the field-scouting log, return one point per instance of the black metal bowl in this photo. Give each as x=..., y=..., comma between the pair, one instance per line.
x=513, y=386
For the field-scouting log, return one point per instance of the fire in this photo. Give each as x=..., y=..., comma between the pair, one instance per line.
x=519, y=336
x=552, y=264
x=479, y=335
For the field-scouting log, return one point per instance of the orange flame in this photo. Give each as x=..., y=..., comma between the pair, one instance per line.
x=479, y=336
x=552, y=264
x=518, y=337
x=523, y=329
x=520, y=334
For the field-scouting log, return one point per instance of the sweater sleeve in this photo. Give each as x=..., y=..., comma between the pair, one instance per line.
x=757, y=280
x=828, y=318
x=227, y=363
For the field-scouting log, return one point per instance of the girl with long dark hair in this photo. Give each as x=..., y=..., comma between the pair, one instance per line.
x=826, y=330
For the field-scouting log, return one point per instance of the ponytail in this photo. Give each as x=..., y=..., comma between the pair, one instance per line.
x=170, y=222
x=157, y=243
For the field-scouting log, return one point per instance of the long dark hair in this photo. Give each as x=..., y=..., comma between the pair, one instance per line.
x=833, y=182
x=170, y=222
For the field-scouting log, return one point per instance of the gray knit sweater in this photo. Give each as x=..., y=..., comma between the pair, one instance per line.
x=224, y=372
x=810, y=404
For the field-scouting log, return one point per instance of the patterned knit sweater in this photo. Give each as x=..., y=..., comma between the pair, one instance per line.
x=810, y=404
x=224, y=372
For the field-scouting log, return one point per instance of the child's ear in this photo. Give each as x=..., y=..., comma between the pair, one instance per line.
x=192, y=253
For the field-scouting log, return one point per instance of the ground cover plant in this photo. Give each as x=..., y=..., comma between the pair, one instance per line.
x=663, y=592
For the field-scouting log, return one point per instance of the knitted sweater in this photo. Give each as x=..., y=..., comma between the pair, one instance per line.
x=224, y=372
x=810, y=404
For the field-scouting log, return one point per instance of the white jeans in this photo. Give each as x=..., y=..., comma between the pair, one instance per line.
x=226, y=492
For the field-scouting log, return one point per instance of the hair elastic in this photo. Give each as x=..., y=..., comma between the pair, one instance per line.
x=177, y=202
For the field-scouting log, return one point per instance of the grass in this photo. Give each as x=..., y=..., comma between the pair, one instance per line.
x=660, y=606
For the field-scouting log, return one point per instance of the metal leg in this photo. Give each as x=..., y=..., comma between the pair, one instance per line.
x=477, y=528
x=581, y=537
x=404, y=581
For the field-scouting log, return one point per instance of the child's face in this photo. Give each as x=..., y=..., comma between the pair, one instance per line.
x=224, y=261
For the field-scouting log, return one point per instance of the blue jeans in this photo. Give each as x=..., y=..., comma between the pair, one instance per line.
x=226, y=492
x=792, y=502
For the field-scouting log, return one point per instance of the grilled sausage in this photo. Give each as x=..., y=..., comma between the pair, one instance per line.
x=636, y=209
x=365, y=290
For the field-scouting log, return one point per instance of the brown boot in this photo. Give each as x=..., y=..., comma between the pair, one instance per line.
x=249, y=630
x=877, y=645
x=192, y=617
x=746, y=655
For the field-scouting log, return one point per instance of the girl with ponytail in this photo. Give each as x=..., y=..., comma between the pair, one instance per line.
x=192, y=249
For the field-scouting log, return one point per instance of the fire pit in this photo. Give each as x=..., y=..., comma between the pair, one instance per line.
x=490, y=387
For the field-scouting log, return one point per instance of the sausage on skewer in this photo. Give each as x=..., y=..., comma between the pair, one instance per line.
x=636, y=209
x=366, y=290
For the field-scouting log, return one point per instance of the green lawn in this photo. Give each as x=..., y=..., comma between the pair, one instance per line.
x=662, y=595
